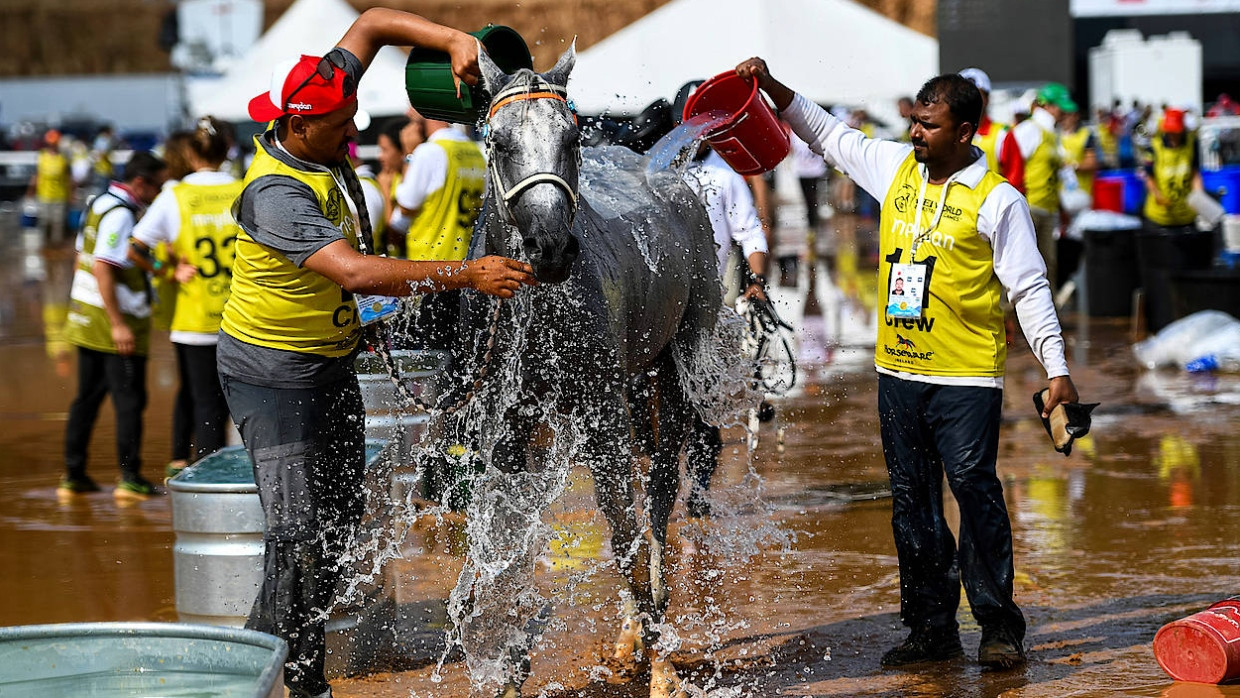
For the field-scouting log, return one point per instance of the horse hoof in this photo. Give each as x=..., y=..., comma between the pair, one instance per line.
x=629, y=645
x=664, y=683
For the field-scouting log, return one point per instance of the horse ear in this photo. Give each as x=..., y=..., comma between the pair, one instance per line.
x=559, y=74
x=493, y=77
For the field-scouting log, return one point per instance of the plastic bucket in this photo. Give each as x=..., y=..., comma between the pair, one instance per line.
x=429, y=82
x=1224, y=183
x=1162, y=254
x=1204, y=647
x=751, y=141
x=1111, y=272
x=1109, y=194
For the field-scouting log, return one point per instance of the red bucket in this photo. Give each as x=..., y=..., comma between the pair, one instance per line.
x=1109, y=194
x=1204, y=647
x=752, y=140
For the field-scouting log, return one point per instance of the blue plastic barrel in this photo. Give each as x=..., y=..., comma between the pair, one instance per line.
x=1225, y=184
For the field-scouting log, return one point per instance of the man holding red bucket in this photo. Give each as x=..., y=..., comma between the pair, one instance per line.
x=955, y=236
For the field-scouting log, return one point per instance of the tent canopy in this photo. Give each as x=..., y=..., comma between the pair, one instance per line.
x=832, y=51
x=310, y=27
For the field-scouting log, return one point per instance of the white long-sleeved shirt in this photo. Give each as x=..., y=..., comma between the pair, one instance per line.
x=1003, y=220
x=729, y=204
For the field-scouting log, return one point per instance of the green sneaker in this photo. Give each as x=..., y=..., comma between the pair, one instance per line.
x=174, y=468
x=78, y=485
x=135, y=486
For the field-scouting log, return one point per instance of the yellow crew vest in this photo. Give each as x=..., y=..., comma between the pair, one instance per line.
x=1074, y=149
x=377, y=228
x=208, y=232
x=991, y=143
x=87, y=324
x=1173, y=173
x=52, y=183
x=444, y=225
x=1042, y=173
x=276, y=304
x=960, y=332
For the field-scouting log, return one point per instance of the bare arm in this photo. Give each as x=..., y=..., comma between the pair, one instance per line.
x=357, y=273
x=380, y=26
x=122, y=336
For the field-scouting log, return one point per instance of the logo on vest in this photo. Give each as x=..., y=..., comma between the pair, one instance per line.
x=936, y=238
x=903, y=341
x=903, y=197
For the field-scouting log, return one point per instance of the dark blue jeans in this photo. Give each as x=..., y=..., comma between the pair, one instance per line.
x=309, y=451
x=929, y=431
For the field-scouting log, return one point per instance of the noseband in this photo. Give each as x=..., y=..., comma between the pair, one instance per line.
x=508, y=194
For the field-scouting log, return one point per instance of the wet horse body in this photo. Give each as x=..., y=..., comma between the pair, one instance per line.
x=629, y=295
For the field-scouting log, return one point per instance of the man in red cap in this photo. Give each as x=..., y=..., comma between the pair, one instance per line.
x=291, y=328
x=1171, y=174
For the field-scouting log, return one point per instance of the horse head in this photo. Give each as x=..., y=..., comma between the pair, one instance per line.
x=534, y=160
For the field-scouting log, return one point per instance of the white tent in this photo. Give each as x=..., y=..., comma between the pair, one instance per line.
x=832, y=51
x=310, y=27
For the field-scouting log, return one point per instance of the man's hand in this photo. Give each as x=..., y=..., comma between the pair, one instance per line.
x=123, y=338
x=463, y=50
x=755, y=69
x=185, y=272
x=1062, y=391
x=499, y=276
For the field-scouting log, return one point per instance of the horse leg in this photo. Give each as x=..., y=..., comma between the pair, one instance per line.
x=674, y=415
x=612, y=467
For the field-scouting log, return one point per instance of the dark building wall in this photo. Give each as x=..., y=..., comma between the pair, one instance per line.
x=1014, y=41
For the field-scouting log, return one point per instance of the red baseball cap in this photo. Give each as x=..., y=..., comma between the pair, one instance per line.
x=298, y=86
x=1173, y=121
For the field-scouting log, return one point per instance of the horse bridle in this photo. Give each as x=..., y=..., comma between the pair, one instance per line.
x=507, y=194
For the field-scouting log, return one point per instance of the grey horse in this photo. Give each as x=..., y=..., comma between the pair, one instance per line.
x=628, y=298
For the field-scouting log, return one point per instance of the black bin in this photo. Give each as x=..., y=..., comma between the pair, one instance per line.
x=1206, y=289
x=1111, y=273
x=1161, y=255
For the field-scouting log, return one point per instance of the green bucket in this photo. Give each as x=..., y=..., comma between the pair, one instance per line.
x=428, y=76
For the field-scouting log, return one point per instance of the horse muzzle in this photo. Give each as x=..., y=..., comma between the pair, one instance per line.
x=552, y=259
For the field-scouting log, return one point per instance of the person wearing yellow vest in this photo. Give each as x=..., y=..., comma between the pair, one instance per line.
x=439, y=199
x=995, y=139
x=391, y=169
x=1080, y=147
x=954, y=235
x=1171, y=174
x=52, y=186
x=194, y=220
x=292, y=325
x=1038, y=140
x=109, y=323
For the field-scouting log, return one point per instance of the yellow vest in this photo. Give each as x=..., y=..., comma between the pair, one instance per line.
x=991, y=143
x=1173, y=173
x=1042, y=173
x=960, y=332
x=87, y=324
x=52, y=183
x=445, y=221
x=378, y=227
x=1074, y=149
x=206, y=240
x=276, y=304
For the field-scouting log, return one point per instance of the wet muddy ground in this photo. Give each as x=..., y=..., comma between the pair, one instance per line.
x=1137, y=528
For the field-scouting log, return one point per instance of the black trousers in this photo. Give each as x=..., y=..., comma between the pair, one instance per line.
x=200, y=413
x=309, y=450
x=929, y=431
x=124, y=378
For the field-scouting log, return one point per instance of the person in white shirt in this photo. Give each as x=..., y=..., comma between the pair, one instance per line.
x=958, y=235
x=193, y=220
x=734, y=219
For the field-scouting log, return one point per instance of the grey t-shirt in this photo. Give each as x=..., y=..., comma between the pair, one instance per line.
x=283, y=214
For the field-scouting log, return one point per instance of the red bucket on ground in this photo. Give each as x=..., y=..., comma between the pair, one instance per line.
x=751, y=141
x=1109, y=194
x=1204, y=647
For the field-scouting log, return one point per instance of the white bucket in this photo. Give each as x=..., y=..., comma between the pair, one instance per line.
x=1231, y=233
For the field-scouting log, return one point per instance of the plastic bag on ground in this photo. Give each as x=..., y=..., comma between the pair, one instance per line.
x=1185, y=341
